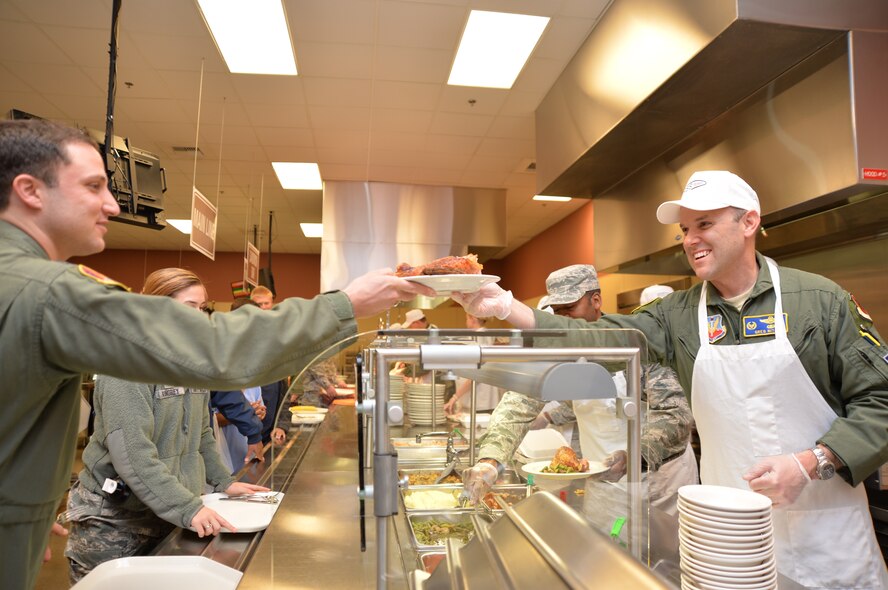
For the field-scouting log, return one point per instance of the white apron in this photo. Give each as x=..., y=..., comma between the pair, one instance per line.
x=756, y=400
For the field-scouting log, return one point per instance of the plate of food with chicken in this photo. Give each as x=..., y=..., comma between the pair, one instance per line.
x=565, y=465
x=451, y=274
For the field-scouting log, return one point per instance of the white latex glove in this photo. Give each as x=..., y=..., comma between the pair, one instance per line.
x=616, y=463
x=478, y=480
x=781, y=478
x=490, y=300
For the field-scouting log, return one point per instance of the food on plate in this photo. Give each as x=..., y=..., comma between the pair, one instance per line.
x=566, y=461
x=431, y=499
x=427, y=478
x=434, y=531
x=449, y=265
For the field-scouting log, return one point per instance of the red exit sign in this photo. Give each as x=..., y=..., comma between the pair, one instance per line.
x=875, y=174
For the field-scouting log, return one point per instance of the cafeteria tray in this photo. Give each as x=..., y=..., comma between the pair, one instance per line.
x=461, y=517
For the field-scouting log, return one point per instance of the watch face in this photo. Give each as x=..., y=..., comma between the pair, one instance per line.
x=826, y=470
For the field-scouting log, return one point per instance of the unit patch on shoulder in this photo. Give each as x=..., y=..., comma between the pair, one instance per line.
x=100, y=278
x=761, y=325
x=860, y=311
x=717, y=329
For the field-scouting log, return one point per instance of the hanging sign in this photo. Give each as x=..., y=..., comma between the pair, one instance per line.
x=251, y=265
x=203, y=225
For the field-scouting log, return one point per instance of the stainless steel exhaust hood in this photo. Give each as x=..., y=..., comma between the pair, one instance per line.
x=370, y=225
x=780, y=93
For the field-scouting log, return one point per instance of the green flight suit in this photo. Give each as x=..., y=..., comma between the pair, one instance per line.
x=58, y=321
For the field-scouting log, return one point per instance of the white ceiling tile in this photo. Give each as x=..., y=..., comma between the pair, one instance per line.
x=482, y=178
x=83, y=46
x=286, y=136
x=290, y=154
x=169, y=17
x=472, y=101
x=391, y=174
x=459, y=144
x=337, y=92
x=430, y=26
x=504, y=164
x=341, y=155
x=532, y=7
x=451, y=123
x=86, y=110
x=513, y=127
x=230, y=112
x=56, y=79
x=9, y=12
x=166, y=52
x=413, y=65
x=277, y=115
x=332, y=21
x=268, y=89
x=330, y=171
x=397, y=95
x=334, y=60
x=155, y=110
x=584, y=8
x=447, y=161
x=381, y=140
x=9, y=82
x=494, y=146
x=522, y=103
x=186, y=85
x=351, y=118
x=72, y=14
x=390, y=120
x=539, y=74
x=342, y=138
x=441, y=177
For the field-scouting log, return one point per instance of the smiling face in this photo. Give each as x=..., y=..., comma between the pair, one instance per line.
x=194, y=296
x=75, y=211
x=720, y=246
x=587, y=307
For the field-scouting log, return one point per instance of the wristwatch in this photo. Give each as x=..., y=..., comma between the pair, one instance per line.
x=825, y=468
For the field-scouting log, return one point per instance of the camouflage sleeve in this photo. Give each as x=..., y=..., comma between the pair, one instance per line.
x=562, y=414
x=667, y=428
x=509, y=423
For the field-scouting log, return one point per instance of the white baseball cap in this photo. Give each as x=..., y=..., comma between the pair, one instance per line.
x=654, y=292
x=709, y=190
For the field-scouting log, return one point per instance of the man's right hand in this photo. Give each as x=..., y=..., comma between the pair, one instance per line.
x=379, y=290
x=478, y=480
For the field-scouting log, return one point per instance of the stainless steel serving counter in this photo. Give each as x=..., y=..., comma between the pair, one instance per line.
x=314, y=539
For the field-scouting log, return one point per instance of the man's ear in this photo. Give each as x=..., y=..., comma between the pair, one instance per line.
x=29, y=190
x=751, y=222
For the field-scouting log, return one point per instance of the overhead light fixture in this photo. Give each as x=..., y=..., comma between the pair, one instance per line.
x=312, y=230
x=253, y=37
x=551, y=198
x=298, y=175
x=494, y=48
x=183, y=225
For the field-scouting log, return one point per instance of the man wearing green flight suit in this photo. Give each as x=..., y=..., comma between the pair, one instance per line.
x=58, y=321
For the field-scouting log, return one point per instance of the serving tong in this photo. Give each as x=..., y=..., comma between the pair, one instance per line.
x=261, y=498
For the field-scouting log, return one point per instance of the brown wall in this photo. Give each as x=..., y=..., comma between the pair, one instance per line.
x=295, y=275
x=570, y=241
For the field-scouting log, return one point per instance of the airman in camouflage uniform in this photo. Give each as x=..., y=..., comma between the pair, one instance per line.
x=318, y=383
x=574, y=291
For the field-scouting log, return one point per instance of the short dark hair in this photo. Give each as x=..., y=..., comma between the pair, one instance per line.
x=35, y=147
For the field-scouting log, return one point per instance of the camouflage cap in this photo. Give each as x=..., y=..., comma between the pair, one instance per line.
x=568, y=284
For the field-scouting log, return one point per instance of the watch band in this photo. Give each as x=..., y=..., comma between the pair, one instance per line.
x=825, y=468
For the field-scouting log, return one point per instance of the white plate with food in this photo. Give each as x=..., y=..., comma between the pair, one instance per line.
x=307, y=418
x=446, y=284
x=248, y=514
x=536, y=468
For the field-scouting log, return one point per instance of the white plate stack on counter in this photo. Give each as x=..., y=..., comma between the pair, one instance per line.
x=396, y=387
x=419, y=403
x=726, y=539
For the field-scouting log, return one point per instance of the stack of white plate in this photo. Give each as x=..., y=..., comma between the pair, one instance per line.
x=396, y=387
x=726, y=539
x=419, y=403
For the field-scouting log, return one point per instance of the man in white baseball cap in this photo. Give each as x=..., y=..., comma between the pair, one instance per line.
x=710, y=190
x=788, y=380
x=648, y=294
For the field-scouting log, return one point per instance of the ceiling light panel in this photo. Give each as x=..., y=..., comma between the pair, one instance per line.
x=253, y=37
x=551, y=198
x=298, y=175
x=494, y=48
x=312, y=230
x=183, y=225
